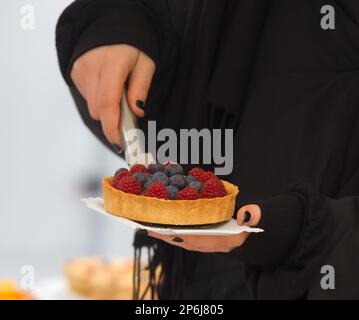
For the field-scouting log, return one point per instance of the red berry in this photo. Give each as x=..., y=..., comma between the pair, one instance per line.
x=138, y=168
x=188, y=193
x=205, y=176
x=119, y=177
x=213, y=188
x=157, y=190
x=196, y=172
x=201, y=175
x=120, y=173
x=128, y=184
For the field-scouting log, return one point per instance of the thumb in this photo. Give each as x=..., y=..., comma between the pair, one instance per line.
x=249, y=215
x=140, y=83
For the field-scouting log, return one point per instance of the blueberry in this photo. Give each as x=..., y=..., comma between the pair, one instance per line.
x=119, y=171
x=196, y=184
x=178, y=181
x=173, y=169
x=190, y=179
x=156, y=167
x=147, y=185
x=160, y=176
x=142, y=177
x=172, y=192
x=164, y=180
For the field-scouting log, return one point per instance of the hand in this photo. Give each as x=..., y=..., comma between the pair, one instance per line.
x=100, y=75
x=249, y=215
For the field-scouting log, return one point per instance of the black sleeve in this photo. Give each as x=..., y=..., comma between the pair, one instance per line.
x=282, y=221
x=87, y=24
x=305, y=230
x=350, y=8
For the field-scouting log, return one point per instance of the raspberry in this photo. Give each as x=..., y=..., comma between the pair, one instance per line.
x=201, y=175
x=121, y=173
x=138, y=168
x=213, y=188
x=188, y=193
x=157, y=190
x=196, y=173
x=205, y=176
x=129, y=184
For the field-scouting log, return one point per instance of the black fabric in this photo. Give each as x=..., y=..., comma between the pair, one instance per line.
x=290, y=90
x=282, y=214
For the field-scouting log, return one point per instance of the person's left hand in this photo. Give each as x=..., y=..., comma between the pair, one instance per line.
x=248, y=215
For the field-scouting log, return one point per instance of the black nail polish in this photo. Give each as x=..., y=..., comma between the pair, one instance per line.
x=177, y=239
x=247, y=217
x=140, y=104
x=116, y=148
x=142, y=231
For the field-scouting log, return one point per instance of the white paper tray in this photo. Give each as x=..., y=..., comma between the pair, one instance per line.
x=227, y=228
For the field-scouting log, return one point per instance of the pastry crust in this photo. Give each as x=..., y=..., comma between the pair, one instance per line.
x=169, y=212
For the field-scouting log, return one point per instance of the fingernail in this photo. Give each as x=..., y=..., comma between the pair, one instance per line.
x=116, y=148
x=247, y=217
x=140, y=104
x=177, y=239
x=142, y=231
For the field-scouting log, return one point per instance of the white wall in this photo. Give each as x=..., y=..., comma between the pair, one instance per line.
x=47, y=157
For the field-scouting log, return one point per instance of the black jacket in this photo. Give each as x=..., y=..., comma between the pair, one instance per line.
x=290, y=90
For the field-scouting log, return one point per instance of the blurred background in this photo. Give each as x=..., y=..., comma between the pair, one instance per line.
x=49, y=159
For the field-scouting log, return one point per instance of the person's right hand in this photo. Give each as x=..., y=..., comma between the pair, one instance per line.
x=100, y=75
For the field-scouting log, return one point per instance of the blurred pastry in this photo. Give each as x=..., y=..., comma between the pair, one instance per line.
x=94, y=278
x=79, y=273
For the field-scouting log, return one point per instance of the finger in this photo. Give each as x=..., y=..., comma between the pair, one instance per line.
x=249, y=215
x=184, y=238
x=85, y=66
x=108, y=99
x=195, y=242
x=140, y=82
x=77, y=79
x=168, y=239
x=92, y=86
x=160, y=236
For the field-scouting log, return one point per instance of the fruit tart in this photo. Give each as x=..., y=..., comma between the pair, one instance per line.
x=163, y=194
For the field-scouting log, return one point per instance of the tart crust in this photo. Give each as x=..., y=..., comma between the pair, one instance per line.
x=169, y=212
